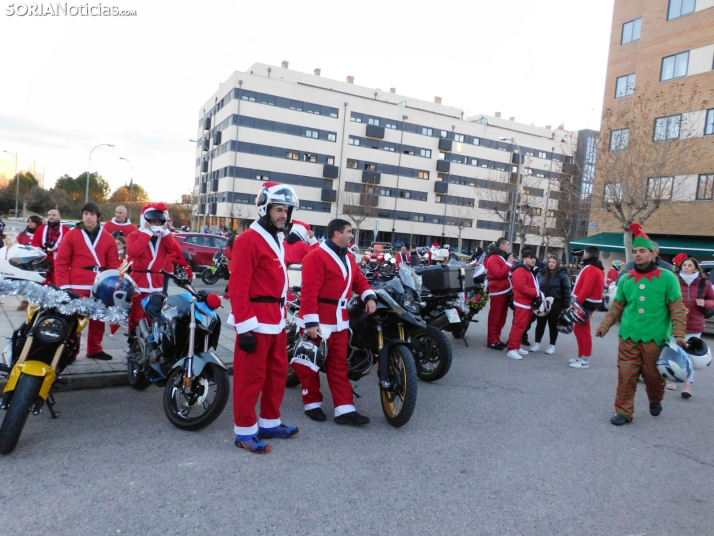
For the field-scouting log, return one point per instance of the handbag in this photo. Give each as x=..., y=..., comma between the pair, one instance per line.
x=708, y=313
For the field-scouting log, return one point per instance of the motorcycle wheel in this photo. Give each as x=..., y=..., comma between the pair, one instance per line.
x=137, y=379
x=432, y=353
x=209, y=276
x=399, y=401
x=196, y=411
x=457, y=332
x=26, y=393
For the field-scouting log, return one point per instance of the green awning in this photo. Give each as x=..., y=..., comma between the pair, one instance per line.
x=669, y=245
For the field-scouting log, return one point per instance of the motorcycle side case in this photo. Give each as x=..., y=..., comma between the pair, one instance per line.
x=200, y=361
x=445, y=279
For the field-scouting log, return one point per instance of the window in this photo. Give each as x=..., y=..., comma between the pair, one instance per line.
x=356, y=119
x=370, y=167
x=705, y=188
x=353, y=141
x=426, y=153
x=529, y=153
x=613, y=192
x=709, y=123
x=551, y=213
x=660, y=188
x=667, y=128
x=388, y=148
x=311, y=133
x=406, y=194
x=677, y=8
x=423, y=174
x=625, y=86
x=391, y=125
x=477, y=141
x=444, y=133
x=426, y=131
x=459, y=137
x=675, y=66
x=542, y=154
x=330, y=161
x=262, y=177
x=352, y=164
x=631, y=31
x=307, y=157
x=331, y=136
x=293, y=155
x=619, y=139
x=540, y=174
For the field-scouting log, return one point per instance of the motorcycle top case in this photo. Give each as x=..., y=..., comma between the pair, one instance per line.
x=445, y=279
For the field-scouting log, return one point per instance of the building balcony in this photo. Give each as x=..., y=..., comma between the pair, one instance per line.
x=445, y=145
x=443, y=166
x=373, y=131
x=441, y=187
x=329, y=171
x=328, y=195
x=371, y=177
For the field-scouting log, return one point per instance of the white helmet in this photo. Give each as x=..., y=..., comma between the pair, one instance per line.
x=542, y=305
x=699, y=353
x=674, y=364
x=273, y=193
x=24, y=262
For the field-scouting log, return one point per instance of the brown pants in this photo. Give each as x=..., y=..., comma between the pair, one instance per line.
x=634, y=358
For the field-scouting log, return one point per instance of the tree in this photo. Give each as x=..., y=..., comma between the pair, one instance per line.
x=357, y=207
x=125, y=193
x=461, y=217
x=62, y=201
x=39, y=200
x=8, y=194
x=76, y=188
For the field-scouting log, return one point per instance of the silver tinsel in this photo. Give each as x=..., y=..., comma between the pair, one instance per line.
x=52, y=298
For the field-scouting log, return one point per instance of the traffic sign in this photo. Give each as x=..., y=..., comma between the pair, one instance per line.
x=593, y=225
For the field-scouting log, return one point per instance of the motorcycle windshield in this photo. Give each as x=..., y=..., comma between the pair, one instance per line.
x=410, y=278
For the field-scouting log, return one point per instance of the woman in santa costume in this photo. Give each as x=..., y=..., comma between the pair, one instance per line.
x=498, y=271
x=149, y=249
x=48, y=238
x=258, y=287
x=120, y=223
x=525, y=292
x=85, y=251
x=333, y=277
x=299, y=242
x=649, y=306
x=588, y=292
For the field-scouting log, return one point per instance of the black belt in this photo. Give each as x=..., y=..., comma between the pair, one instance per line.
x=332, y=302
x=268, y=299
x=95, y=268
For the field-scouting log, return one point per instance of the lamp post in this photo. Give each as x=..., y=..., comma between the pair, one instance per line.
x=89, y=173
x=516, y=194
x=17, y=183
x=198, y=197
x=131, y=184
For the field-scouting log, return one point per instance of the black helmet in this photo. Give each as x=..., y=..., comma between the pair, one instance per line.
x=564, y=324
x=310, y=354
x=154, y=214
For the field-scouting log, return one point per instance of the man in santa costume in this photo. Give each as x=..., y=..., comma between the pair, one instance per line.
x=649, y=306
x=120, y=223
x=525, y=292
x=589, y=288
x=85, y=251
x=258, y=287
x=498, y=271
x=48, y=238
x=299, y=242
x=334, y=276
x=149, y=249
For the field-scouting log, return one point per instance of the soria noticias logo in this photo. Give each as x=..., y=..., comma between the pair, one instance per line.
x=67, y=10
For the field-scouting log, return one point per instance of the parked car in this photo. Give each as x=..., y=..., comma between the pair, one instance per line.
x=199, y=248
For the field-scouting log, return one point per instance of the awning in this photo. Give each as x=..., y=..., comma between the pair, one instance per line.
x=669, y=245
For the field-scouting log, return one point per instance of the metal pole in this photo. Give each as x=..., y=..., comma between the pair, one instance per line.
x=86, y=195
x=17, y=183
x=516, y=193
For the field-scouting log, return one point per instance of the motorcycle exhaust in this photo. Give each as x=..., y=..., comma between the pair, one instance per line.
x=144, y=329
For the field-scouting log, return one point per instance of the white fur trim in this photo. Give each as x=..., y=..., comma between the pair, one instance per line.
x=347, y=408
x=368, y=292
x=268, y=423
x=502, y=292
x=245, y=326
x=246, y=430
x=311, y=318
x=305, y=363
x=146, y=231
x=312, y=241
x=314, y=405
x=165, y=232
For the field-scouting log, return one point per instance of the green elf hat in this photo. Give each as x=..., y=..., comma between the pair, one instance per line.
x=641, y=239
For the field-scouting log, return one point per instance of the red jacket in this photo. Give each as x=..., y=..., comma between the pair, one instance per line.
x=295, y=253
x=77, y=253
x=690, y=293
x=525, y=286
x=498, y=272
x=329, y=279
x=150, y=258
x=46, y=234
x=590, y=284
x=403, y=257
x=126, y=228
x=24, y=238
x=612, y=275
x=258, y=272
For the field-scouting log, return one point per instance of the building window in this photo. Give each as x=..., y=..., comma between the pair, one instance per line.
x=293, y=155
x=370, y=167
x=619, y=139
x=677, y=8
x=660, y=188
x=426, y=153
x=352, y=164
x=631, y=31
x=406, y=194
x=459, y=137
x=613, y=192
x=444, y=133
x=477, y=141
x=667, y=128
x=373, y=121
x=311, y=133
x=307, y=157
x=426, y=131
x=262, y=177
x=540, y=174
x=542, y=154
x=675, y=66
x=705, y=188
x=356, y=119
x=330, y=161
x=423, y=174
x=331, y=136
x=353, y=141
x=709, y=123
x=625, y=86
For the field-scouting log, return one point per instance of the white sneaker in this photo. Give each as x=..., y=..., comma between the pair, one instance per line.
x=550, y=350
x=514, y=354
x=573, y=360
x=580, y=363
x=535, y=347
x=110, y=335
x=522, y=351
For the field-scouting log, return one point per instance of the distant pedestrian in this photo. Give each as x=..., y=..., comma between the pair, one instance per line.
x=589, y=288
x=25, y=237
x=525, y=292
x=554, y=282
x=498, y=271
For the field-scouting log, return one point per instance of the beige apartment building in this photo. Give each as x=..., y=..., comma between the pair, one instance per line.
x=414, y=171
x=661, y=66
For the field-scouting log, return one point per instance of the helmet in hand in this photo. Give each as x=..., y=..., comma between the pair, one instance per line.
x=578, y=314
x=113, y=288
x=699, y=353
x=310, y=354
x=674, y=363
x=542, y=305
x=565, y=324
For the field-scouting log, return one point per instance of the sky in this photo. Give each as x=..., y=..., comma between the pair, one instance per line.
x=69, y=83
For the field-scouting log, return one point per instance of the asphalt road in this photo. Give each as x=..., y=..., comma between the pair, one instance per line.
x=496, y=447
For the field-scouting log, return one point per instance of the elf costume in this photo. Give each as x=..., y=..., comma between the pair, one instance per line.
x=649, y=305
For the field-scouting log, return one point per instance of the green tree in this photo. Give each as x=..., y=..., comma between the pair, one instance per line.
x=62, y=201
x=76, y=188
x=124, y=193
x=39, y=200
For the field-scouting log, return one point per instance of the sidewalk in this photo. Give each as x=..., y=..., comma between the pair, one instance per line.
x=91, y=373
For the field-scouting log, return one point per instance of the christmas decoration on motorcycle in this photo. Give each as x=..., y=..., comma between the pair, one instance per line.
x=674, y=363
x=476, y=300
x=310, y=354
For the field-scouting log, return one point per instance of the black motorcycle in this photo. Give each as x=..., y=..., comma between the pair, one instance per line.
x=219, y=269
x=171, y=349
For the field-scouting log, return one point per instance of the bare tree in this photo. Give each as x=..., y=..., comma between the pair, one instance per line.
x=357, y=207
x=461, y=217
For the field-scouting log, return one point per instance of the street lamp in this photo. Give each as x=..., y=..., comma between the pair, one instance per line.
x=17, y=184
x=86, y=195
x=518, y=189
x=198, y=201
x=131, y=184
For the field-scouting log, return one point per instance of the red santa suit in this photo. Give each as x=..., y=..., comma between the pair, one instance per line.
x=403, y=258
x=48, y=238
x=295, y=252
x=125, y=228
x=612, y=275
x=258, y=286
x=24, y=238
x=525, y=290
x=588, y=291
x=324, y=299
x=498, y=272
x=77, y=262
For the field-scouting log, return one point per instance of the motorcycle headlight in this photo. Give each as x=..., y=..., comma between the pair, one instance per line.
x=411, y=305
x=51, y=329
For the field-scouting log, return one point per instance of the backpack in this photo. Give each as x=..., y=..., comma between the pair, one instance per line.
x=708, y=313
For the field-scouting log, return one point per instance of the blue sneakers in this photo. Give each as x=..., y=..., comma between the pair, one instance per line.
x=252, y=444
x=281, y=432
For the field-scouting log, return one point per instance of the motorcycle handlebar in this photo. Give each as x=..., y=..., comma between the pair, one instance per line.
x=181, y=282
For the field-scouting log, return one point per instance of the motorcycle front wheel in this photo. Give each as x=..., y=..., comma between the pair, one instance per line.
x=432, y=353
x=209, y=276
x=399, y=400
x=201, y=406
x=134, y=368
x=25, y=395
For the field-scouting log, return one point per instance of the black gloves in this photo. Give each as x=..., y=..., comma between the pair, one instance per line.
x=247, y=342
x=72, y=295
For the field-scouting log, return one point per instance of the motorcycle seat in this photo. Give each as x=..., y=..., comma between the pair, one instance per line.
x=153, y=308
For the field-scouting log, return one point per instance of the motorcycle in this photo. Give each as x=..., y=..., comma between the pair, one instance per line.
x=171, y=349
x=219, y=269
x=41, y=348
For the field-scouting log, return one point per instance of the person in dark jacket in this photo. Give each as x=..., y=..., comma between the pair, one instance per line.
x=414, y=258
x=554, y=282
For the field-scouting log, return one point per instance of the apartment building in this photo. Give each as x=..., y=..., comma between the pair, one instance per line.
x=658, y=122
x=403, y=169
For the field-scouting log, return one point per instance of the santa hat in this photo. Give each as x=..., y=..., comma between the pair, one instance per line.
x=680, y=258
x=161, y=207
x=302, y=229
x=641, y=238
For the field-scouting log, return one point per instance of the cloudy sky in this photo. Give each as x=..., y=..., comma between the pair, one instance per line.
x=72, y=82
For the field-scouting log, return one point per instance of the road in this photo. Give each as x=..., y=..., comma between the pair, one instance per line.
x=497, y=447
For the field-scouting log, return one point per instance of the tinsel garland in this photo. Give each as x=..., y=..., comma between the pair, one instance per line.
x=53, y=298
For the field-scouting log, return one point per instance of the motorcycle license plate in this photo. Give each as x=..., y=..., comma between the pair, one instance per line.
x=453, y=316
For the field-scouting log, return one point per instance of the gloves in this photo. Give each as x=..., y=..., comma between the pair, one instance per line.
x=247, y=342
x=156, y=230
